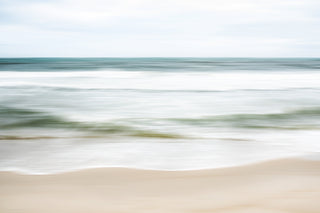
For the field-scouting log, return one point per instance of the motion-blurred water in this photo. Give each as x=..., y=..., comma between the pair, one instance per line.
x=59, y=114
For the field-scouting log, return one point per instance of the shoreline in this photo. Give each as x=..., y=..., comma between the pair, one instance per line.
x=286, y=185
x=308, y=157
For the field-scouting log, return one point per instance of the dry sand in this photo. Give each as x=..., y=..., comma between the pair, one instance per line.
x=289, y=185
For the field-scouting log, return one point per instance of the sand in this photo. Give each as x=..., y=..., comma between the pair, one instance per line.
x=279, y=186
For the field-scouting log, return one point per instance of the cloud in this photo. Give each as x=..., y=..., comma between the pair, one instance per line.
x=159, y=28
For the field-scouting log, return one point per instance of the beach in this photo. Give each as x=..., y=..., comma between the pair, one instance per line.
x=287, y=185
x=159, y=135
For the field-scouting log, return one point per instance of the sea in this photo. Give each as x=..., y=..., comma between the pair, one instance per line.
x=66, y=114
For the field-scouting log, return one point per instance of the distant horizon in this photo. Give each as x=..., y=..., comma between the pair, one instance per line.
x=218, y=57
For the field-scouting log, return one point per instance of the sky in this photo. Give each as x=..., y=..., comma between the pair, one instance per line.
x=159, y=28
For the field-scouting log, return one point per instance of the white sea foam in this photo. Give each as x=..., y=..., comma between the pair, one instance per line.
x=47, y=157
x=147, y=80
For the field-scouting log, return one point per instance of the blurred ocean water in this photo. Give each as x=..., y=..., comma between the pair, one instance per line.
x=60, y=114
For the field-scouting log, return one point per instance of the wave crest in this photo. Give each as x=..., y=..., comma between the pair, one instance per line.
x=15, y=118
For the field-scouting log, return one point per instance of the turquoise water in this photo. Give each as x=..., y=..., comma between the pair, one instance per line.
x=60, y=114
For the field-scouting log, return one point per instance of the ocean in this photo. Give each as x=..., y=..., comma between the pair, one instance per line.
x=63, y=114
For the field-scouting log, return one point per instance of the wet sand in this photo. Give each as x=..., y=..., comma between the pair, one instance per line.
x=279, y=186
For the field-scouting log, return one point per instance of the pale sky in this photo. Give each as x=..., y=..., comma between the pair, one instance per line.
x=159, y=28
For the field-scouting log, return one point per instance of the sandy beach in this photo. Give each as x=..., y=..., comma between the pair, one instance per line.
x=288, y=185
